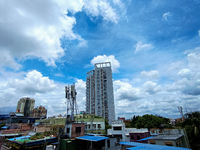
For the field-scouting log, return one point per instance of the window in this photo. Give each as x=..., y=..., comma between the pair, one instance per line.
x=108, y=143
x=178, y=144
x=99, y=126
x=117, y=128
x=152, y=142
x=68, y=129
x=132, y=137
x=138, y=137
x=94, y=126
x=168, y=143
x=78, y=129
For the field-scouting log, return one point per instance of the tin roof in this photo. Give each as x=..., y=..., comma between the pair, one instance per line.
x=141, y=146
x=92, y=138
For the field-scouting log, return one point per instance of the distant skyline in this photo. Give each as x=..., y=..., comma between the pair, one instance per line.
x=153, y=47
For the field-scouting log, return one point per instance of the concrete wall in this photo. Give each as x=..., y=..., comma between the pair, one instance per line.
x=10, y=131
x=73, y=130
x=42, y=128
x=134, y=136
x=5, y=148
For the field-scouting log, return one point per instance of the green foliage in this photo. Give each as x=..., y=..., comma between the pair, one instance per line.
x=107, y=126
x=1, y=125
x=148, y=121
x=97, y=117
x=192, y=127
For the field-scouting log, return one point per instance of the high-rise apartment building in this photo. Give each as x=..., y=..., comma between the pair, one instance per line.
x=25, y=106
x=99, y=92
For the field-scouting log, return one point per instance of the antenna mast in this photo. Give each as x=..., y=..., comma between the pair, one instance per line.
x=71, y=101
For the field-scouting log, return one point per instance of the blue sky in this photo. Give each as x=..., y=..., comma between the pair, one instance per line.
x=153, y=47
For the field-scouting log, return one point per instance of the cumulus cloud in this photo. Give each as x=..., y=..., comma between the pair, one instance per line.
x=44, y=90
x=142, y=47
x=151, y=87
x=34, y=82
x=125, y=91
x=188, y=81
x=193, y=60
x=153, y=74
x=166, y=15
x=104, y=58
x=30, y=31
x=184, y=73
x=101, y=8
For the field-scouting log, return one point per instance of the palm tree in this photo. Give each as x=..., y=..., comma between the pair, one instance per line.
x=192, y=126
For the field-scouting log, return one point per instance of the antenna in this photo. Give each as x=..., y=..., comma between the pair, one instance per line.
x=180, y=108
x=71, y=101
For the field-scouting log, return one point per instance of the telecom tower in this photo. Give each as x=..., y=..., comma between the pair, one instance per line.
x=71, y=101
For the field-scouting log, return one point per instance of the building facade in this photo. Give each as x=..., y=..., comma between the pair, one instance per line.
x=39, y=112
x=25, y=106
x=120, y=131
x=99, y=92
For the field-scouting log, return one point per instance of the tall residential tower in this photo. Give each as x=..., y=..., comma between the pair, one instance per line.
x=25, y=106
x=99, y=92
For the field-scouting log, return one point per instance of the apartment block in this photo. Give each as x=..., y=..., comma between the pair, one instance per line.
x=99, y=92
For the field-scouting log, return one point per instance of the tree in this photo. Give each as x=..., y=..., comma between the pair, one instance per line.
x=192, y=126
x=107, y=126
x=148, y=121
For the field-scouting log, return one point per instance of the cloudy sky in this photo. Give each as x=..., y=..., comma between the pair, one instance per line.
x=153, y=47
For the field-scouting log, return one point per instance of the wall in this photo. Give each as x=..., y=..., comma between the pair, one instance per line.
x=41, y=128
x=73, y=130
x=141, y=136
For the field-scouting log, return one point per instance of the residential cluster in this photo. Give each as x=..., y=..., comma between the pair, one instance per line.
x=96, y=128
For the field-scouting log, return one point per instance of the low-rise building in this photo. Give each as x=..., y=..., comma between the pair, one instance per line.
x=73, y=130
x=39, y=112
x=137, y=136
x=169, y=137
x=119, y=130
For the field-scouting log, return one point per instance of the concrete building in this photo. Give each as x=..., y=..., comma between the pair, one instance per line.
x=39, y=112
x=119, y=130
x=92, y=123
x=73, y=130
x=99, y=92
x=25, y=106
x=169, y=137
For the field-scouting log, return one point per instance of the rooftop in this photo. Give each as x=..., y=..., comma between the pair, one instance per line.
x=92, y=138
x=141, y=146
x=167, y=137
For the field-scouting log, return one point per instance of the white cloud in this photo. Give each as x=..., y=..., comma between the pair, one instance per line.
x=153, y=74
x=185, y=73
x=34, y=82
x=151, y=87
x=142, y=47
x=194, y=60
x=125, y=91
x=44, y=90
x=29, y=30
x=102, y=8
x=166, y=15
x=103, y=58
x=199, y=32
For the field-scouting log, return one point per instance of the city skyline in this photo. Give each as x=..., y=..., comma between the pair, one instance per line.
x=153, y=47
